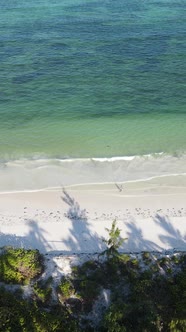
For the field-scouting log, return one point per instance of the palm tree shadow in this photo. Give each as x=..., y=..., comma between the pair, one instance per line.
x=34, y=239
x=13, y=240
x=36, y=236
x=74, y=211
x=81, y=238
x=135, y=240
x=174, y=238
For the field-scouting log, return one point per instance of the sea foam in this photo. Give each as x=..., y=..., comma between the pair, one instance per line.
x=26, y=175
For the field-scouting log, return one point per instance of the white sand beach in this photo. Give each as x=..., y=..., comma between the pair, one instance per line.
x=151, y=215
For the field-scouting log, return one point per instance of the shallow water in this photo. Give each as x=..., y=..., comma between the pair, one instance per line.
x=83, y=79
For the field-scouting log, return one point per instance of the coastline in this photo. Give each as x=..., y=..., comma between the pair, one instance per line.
x=151, y=215
x=38, y=174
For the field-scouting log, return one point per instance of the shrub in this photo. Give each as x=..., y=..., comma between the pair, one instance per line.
x=18, y=315
x=20, y=265
x=177, y=325
x=65, y=289
x=88, y=290
x=146, y=257
x=43, y=290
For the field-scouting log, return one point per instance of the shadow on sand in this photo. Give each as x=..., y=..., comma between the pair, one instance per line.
x=174, y=239
x=81, y=238
x=135, y=241
x=170, y=237
x=35, y=238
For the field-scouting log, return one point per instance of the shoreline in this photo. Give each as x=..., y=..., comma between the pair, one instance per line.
x=32, y=175
x=166, y=180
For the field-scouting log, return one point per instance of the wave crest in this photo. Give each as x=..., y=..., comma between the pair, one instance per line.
x=25, y=174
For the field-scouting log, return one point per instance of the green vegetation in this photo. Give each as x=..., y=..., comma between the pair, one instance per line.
x=153, y=302
x=18, y=315
x=65, y=289
x=146, y=257
x=43, y=290
x=86, y=281
x=142, y=297
x=114, y=242
x=19, y=265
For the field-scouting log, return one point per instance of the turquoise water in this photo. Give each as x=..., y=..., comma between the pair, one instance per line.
x=91, y=78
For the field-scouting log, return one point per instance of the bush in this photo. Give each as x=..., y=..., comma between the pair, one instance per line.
x=18, y=315
x=43, y=290
x=65, y=289
x=146, y=258
x=177, y=325
x=140, y=301
x=19, y=266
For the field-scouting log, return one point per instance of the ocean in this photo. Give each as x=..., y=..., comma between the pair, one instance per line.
x=91, y=91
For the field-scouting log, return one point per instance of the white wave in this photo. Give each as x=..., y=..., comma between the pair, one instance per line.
x=25, y=174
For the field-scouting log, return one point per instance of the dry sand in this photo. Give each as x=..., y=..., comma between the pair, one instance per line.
x=151, y=215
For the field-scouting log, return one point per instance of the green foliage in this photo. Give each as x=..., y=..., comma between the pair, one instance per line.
x=178, y=291
x=113, y=319
x=43, y=290
x=65, y=288
x=140, y=300
x=183, y=260
x=177, y=325
x=18, y=315
x=175, y=259
x=163, y=261
x=135, y=263
x=85, y=269
x=146, y=257
x=88, y=290
x=114, y=242
x=152, y=304
x=20, y=265
x=87, y=280
x=124, y=258
x=155, y=268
